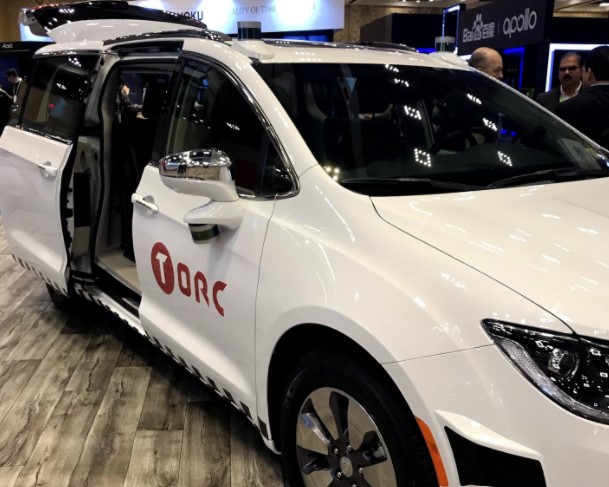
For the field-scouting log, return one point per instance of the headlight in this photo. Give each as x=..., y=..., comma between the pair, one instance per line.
x=570, y=370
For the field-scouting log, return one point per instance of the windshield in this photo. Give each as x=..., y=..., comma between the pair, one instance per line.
x=379, y=128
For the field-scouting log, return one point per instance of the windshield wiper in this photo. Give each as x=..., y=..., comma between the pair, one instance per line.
x=407, y=186
x=550, y=175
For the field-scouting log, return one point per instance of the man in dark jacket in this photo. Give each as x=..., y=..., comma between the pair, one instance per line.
x=570, y=80
x=15, y=80
x=589, y=111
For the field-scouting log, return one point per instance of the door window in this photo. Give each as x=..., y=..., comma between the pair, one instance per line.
x=56, y=94
x=211, y=112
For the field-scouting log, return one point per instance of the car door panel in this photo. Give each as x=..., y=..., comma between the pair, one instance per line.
x=33, y=156
x=31, y=169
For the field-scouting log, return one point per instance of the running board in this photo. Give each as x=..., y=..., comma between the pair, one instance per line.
x=105, y=301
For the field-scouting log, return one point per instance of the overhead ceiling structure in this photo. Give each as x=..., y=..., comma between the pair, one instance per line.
x=561, y=7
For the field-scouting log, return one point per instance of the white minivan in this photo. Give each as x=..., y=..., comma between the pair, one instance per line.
x=395, y=266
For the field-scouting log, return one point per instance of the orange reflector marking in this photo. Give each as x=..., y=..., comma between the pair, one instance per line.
x=434, y=452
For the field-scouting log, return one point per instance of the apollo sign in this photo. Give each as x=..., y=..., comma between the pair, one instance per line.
x=520, y=23
x=501, y=25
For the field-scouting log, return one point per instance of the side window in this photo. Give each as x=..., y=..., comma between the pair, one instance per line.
x=211, y=112
x=56, y=94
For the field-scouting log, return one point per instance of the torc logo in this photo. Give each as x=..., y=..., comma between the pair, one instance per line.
x=167, y=276
x=520, y=23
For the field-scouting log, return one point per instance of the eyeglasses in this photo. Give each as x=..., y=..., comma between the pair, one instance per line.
x=564, y=69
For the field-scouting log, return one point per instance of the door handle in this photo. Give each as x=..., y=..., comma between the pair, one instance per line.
x=47, y=170
x=139, y=200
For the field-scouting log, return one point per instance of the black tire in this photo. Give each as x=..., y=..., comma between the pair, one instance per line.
x=61, y=301
x=386, y=439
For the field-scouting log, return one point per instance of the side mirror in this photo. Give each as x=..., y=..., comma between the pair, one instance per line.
x=200, y=172
x=207, y=173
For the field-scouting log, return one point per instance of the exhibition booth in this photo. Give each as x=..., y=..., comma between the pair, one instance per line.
x=530, y=39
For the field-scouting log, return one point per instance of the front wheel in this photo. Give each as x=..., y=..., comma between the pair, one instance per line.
x=341, y=426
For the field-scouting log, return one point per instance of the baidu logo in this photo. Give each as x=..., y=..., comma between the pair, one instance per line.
x=479, y=30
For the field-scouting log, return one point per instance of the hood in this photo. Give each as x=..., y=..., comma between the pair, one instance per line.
x=101, y=20
x=549, y=243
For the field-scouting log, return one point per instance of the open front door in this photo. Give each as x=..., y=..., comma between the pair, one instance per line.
x=34, y=154
x=199, y=299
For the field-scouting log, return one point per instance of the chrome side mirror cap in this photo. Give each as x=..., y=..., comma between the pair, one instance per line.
x=207, y=173
x=200, y=172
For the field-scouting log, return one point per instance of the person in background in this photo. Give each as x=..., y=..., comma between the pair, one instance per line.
x=126, y=108
x=488, y=61
x=589, y=110
x=570, y=78
x=15, y=80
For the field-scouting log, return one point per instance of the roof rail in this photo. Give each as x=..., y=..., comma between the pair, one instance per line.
x=195, y=34
x=297, y=43
x=387, y=45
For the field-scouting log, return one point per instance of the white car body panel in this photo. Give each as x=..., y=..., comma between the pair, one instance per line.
x=481, y=387
x=100, y=30
x=29, y=198
x=356, y=290
x=188, y=318
x=546, y=242
x=313, y=54
x=97, y=46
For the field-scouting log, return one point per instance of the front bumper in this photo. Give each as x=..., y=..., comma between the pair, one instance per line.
x=480, y=396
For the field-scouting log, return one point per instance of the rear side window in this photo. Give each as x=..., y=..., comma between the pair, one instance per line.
x=56, y=93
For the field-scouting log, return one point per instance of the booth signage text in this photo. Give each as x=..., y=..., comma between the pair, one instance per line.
x=503, y=25
x=274, y=15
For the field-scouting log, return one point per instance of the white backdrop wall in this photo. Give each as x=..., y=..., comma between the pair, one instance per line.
x=275, y=15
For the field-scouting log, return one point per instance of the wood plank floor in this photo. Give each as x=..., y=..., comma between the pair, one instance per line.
x=85, y=402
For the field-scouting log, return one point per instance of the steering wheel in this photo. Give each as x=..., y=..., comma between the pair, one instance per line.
x=464, y=135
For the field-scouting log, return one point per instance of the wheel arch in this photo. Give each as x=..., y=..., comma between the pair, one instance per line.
x=301, y=340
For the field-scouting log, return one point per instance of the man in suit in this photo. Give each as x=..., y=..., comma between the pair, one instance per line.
x=589, y=110
x=488, y=61
x=570, y=78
